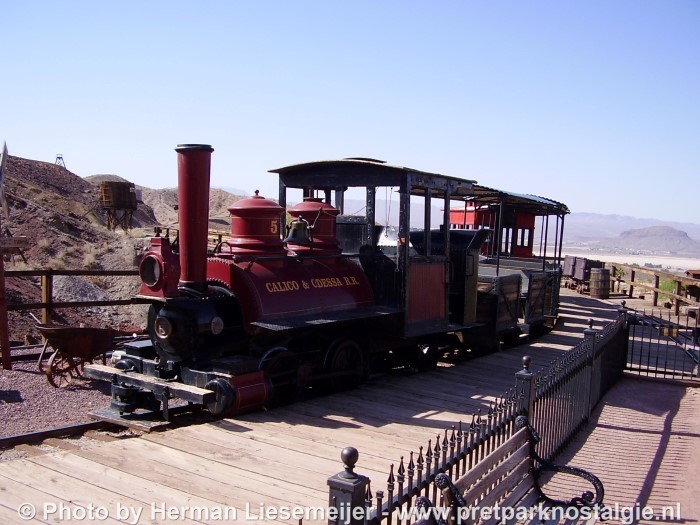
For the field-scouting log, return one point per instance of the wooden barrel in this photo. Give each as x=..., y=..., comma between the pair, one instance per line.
x=600, y=283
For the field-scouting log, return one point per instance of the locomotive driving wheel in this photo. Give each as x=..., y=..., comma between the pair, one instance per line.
x=62, y=369
x=281, y=368
x=344, y=365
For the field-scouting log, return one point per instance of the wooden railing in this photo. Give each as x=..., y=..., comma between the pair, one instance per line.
x=47, y=304
x=632, y=278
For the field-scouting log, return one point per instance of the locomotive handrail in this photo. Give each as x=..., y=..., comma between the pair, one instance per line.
x=220, y=244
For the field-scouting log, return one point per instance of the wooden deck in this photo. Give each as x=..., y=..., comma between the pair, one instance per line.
x=241, y=470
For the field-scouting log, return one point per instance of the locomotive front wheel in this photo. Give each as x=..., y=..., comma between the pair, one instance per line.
x=344, y=364
x=61, y=370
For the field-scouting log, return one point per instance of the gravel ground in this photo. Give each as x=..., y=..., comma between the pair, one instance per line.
x=28, y=403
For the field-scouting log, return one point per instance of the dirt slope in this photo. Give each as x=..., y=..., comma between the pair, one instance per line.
x=59, y=212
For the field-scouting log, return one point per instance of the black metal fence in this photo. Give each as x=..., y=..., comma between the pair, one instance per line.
x=454, y=452
x=663, y=345
x=558, y=401
x=566, y=393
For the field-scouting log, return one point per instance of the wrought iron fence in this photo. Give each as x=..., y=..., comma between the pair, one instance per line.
x=558, y=400
x=663, y=345
x=454, y=451
x=567, y=392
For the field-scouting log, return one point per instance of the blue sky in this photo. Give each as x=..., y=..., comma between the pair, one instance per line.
x=592, y=103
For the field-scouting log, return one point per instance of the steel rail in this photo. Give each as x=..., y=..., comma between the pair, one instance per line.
x=40, y=435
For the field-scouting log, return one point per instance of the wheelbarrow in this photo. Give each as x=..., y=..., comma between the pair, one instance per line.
x=71, y=347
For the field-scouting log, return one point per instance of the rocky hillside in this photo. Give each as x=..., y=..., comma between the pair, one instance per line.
x=164, y=205
x=59, y=213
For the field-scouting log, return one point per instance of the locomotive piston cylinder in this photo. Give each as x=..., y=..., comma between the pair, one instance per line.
x=193, y=171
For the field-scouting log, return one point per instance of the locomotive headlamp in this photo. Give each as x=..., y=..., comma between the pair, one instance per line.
x=150, y=271
x=162, y=327
x=217, y=325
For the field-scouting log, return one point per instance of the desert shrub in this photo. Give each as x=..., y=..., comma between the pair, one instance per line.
x=90, y=261
x=46, y=246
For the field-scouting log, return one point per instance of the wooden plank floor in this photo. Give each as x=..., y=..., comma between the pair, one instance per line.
x=280, y=459
x=643, y=442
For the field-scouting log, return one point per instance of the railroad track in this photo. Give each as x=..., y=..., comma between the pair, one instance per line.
x=69, y=437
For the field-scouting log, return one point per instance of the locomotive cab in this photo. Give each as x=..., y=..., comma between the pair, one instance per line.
x=414, y=284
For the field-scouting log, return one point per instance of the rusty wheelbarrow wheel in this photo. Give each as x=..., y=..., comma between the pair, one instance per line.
x=62, y=369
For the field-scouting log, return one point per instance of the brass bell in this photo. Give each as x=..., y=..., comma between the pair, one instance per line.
x=298, y=232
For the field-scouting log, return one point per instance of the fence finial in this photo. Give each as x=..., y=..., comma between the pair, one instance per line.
x=527, y=360
x=349, y=457
x=348, y=490
x=590, y=332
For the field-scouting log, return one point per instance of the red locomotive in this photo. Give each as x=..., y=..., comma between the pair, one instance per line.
x=276, y=308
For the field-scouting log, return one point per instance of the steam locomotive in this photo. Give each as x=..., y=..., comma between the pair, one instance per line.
x=277, y=308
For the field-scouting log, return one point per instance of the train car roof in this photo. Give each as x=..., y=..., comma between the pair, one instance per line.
x=365, y=172
x=483, y=195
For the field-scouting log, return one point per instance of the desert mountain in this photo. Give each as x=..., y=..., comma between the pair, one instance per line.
x=164, y=205
x=616, y=233
x=657, y=239
x=581, y=227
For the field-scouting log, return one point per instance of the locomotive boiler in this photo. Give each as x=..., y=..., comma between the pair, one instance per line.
x=277, y=309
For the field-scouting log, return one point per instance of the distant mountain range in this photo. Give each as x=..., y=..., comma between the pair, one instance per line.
x=597, y=231
x=651, y=240
x=616, y=232
x=582, y=227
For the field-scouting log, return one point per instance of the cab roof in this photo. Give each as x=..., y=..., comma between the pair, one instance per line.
x=365, y=172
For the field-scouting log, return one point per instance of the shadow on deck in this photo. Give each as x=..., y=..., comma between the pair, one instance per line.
x=643, y=441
